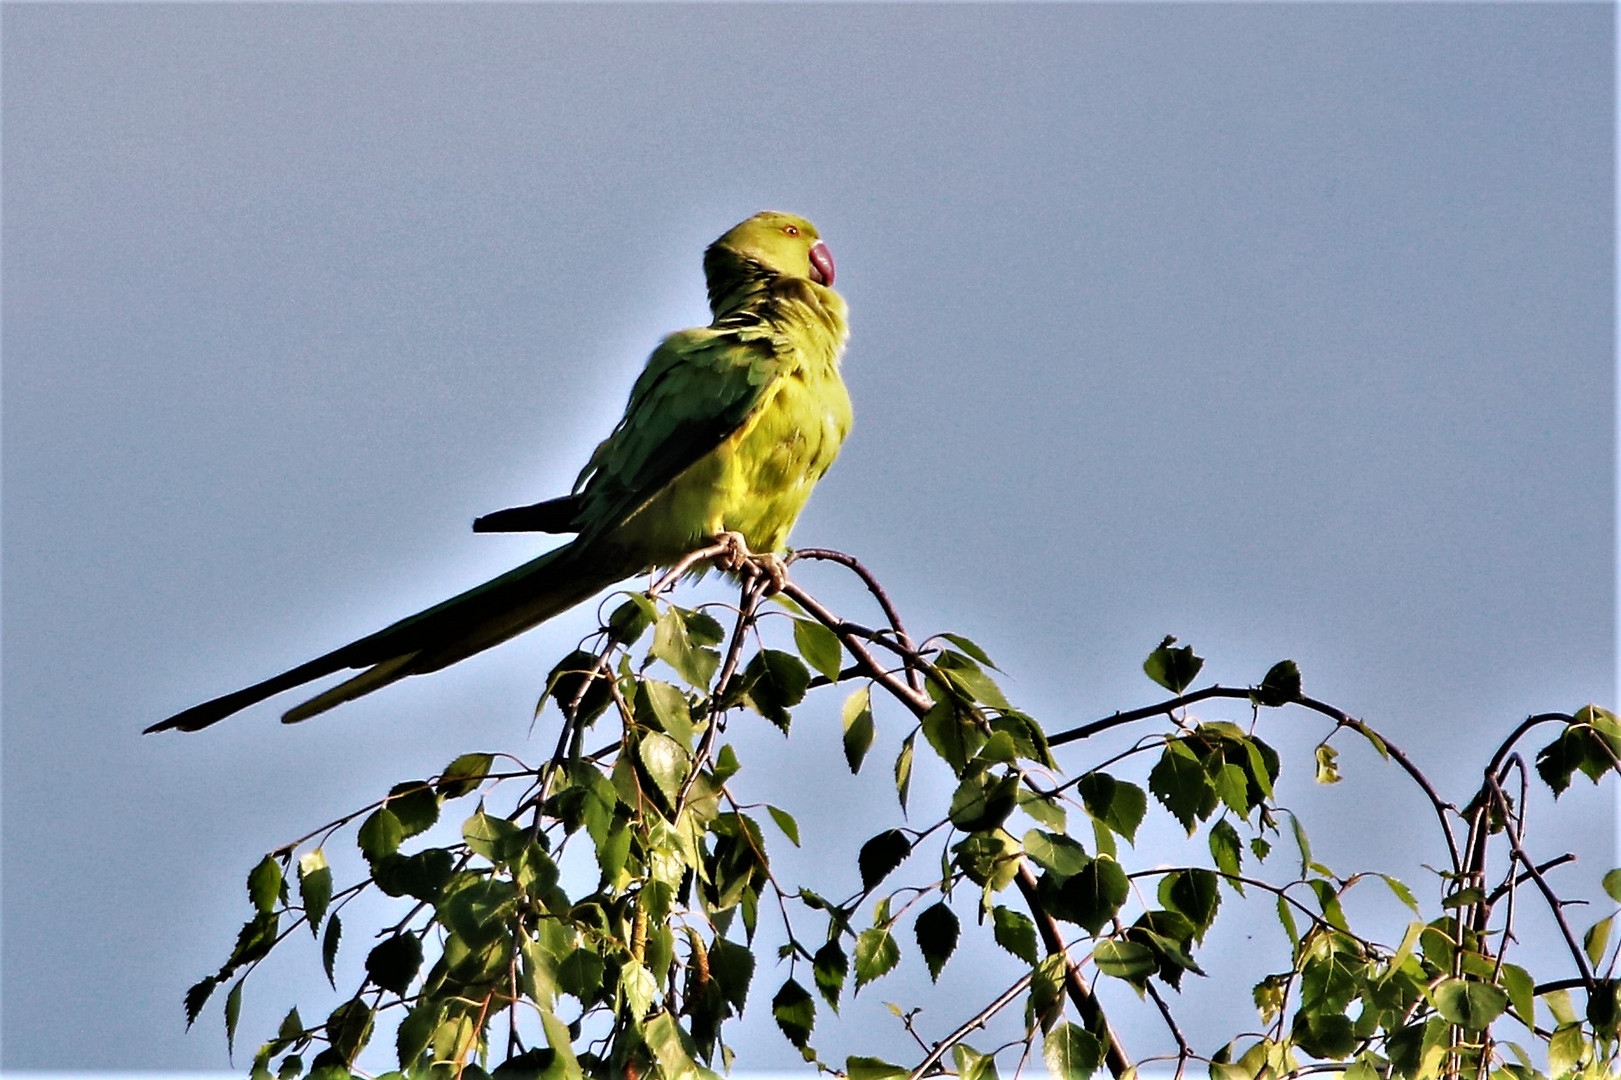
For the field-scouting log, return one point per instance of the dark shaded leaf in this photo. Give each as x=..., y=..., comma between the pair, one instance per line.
x=567, y=682
x=903, y=769
x=233, y=1013
x=794, y=1012
x=1280, y=686
x=1091, y=898
x=314, y=886
x=732, y=965
x=329, y=948
x=1178, y=780
x=264, y=885
x=1119, y=804
x=1193, y=893
x=830, y=967
x=871, y=1068
x=881, y=855
x=415, y=805
x=1174, y=669
x=1015, y=933
x=937, y=931
x=380, y=834
x=858, y=727
x=773, y=683
x=983, y=801
x=463, y=776
x=394, y=963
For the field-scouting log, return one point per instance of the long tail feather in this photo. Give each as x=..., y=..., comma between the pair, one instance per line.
x=453, y=630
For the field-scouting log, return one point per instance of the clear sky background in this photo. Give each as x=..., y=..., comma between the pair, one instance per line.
x=1284, y=329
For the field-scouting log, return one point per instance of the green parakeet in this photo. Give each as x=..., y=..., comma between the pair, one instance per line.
x=727, y=430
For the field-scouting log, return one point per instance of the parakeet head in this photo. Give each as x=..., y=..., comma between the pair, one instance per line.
x=781, y=243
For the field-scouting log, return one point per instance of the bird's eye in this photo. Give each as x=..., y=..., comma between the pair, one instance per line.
x=791, y=230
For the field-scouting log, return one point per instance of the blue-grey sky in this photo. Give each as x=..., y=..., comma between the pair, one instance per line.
x=1284, y=329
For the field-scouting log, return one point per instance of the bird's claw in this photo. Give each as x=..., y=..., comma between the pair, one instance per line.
x=736, y=558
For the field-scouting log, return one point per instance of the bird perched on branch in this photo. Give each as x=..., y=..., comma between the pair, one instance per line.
x=727, y=429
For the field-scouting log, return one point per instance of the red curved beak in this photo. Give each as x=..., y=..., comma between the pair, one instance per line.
x=821, y=264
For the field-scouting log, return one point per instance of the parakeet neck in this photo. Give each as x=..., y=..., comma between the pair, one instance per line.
x=742, y=289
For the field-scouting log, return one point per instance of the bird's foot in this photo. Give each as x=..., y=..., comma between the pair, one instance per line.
x=773, y=569
x=736, y=558
x=734, y=554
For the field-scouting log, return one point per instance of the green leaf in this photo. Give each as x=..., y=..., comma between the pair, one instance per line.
x=663, y=1037
x=1565, y=1049
x=415, y=805
x=329, y=947
x=380, y=834
x=254, y=940
x=1181, y=785
x=1015, y=933
x=264, y=885
x=1470, y=1005
x=876, y=954
x=1521, y=990
x=671, y=643
x=665, y=762
x=1612, y=885
x=982, y=802
x=732, y=965
x=394, y=963
x=1092, y=897
x=1071, y=1052
x=858, y=727
x=1117, y=803
x=421, y=875
x=937, y=931
x=580, y=974
x=1174, y=669
x=794, y=1012
x=1056, y=853
x=969, y=679
x=1597, y=940
x=567, y=682
x=829, y=966
x=495, y=838
x=416, y=1030
x=952, y=735
x=1225, y=850
x=785, y=822
x=663, y=706
x=631, y=619
x=1193, y=893
x=881, y=855
x=1128, y=960
x=871, y=1068
x=970, y=648
x=314, y=886
x=820, y=647
x=1280, y=687
x=1328, y=770
x=464, y=775
x=773, y=683
x=903, y=769
x=233, y=1012
x=1046, y=810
